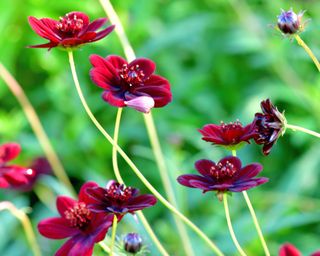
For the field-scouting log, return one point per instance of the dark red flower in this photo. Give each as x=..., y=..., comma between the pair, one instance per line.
x=269, y=126
x=118, y=199
x=130, y=84
x=231, y=135
x=290, y=250
x=289, y=22
x=226, y=175
x=84, y=227
x=70, y=31
x=12, y=175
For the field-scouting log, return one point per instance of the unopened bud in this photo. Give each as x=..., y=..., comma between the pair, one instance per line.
x=132, y=242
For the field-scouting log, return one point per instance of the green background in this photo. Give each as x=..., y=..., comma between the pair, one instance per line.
x=222, y=58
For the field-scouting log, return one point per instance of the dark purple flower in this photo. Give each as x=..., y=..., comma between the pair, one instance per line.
x=231, y=135
x=269, y=126
x=130, y=84
x=12, y=175
x=118, y=199
x=226, y=175
x=132, y=242
x=70, y=31
x=84, y=227
x=289, y=22
x=290, y=250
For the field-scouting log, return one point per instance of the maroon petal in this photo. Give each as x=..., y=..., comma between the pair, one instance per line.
x=44, y=28
x=102, y=78
x=249, y=171
x=317, y=253
x=4, y=183
x=211, y=133
x=47, y=45
x=88, y=36
x=248, y=184
x=146, y=65
x=113, y=99
x=116, y=61
x=56, y=228
x=203, y=166
x=141, y=202
x=9, y=151
x=64, y=203
x=77, y=246
x=97, y=193
x=83, y=196
x=94, y=25
x=190, y=180
x=103, y=33
x=71, y=42
x=289, y=250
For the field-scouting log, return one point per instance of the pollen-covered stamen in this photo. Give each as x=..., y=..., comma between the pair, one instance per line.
x=223, y=171
x=70, y=24
x=79, y=216
x=119, y=192
x=133, y=75
x=232, y=130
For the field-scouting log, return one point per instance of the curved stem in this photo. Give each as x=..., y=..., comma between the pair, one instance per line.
x=256, y=223
x=164, y=174
x=23, y=218
x=37, y=128
x=233, y=236
x=308, y=50
x=133, y=166
x=120, y=180
x=301, y=129
x=104, y=247
x=113, y=234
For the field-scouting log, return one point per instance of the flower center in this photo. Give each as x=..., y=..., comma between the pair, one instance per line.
x=132, y=75
x=119, y=192
x=232, y=131
x=223, y=171
x=231, y=126
x=79, y=216
x=70, y=25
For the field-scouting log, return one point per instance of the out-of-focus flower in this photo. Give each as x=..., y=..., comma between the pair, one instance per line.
x=226, y=175
x=12, y=175
x=85, y=228
x=72, y=30
x=290, y=250
x=132, y=242
x=231, y=136
x=118, y=199
x=269, y=126
x=130, y=84
x=289, y=22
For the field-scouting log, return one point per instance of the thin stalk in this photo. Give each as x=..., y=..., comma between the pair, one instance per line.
x=301, y=129
x=120, y=180
x=233, y=236
x=113, y=233
x=37, y=128
x=104, y=247
x=308, y=50
x=133, y=166
x=256, y=223
x=164, y=174
x=23, y=218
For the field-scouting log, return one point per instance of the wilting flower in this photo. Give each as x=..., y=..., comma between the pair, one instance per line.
x=269, y=126
x=289, y=22
x=130, y=84
x=226, y=175
x=12, y=175
x=132, y=242
x=231, y=136
x=84, y=227
x=289, y=250
x=70, y=31
x=118, y=199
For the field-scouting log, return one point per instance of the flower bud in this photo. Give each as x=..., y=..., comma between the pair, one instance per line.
x=132, y=242
x=289, y=22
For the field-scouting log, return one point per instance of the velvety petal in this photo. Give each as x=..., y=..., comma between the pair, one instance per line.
x=101, y=224
x=104, y=78
x=113, y=99
x=317, y=253
x=116, y=61
x=47, y=45
x=17, y=175
x=56, y=228
x=9, y=151
x=98, y=23
x=98, y=208
x=103, y=33
x=97, y=193
x=71, y=42
x=88, y=36
x=203, y=166
x=146, y=65
x=4, y=183
x=140, y=202
x=212, y=133
x=248, y=184
x=189, y=179
x=289, y=250
x=249, y=171
x=77, y=246
x=83, y=196
x=64, y=203
x=44, y=28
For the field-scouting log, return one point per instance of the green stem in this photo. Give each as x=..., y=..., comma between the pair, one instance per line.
x=256, y=223
x=234, y=152
x=37, y=128
x=120, y=180
x=113, y=234
x=308, y=50
x=23, y=218
x=233, y=236
x=164, y=174
x=133, y=166
x=301, y=129
x=104, y=247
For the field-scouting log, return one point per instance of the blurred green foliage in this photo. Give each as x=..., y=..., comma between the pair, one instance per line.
x=222, y=58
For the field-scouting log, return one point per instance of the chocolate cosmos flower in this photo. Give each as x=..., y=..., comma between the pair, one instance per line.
x=72, y=30
x=269, y=125
x=12, y=175
x=226, y=175
x=230, y=135
x=289, y=22
x=85, y=228
x=130, y=84
x=118, y=199
x=289, y=250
